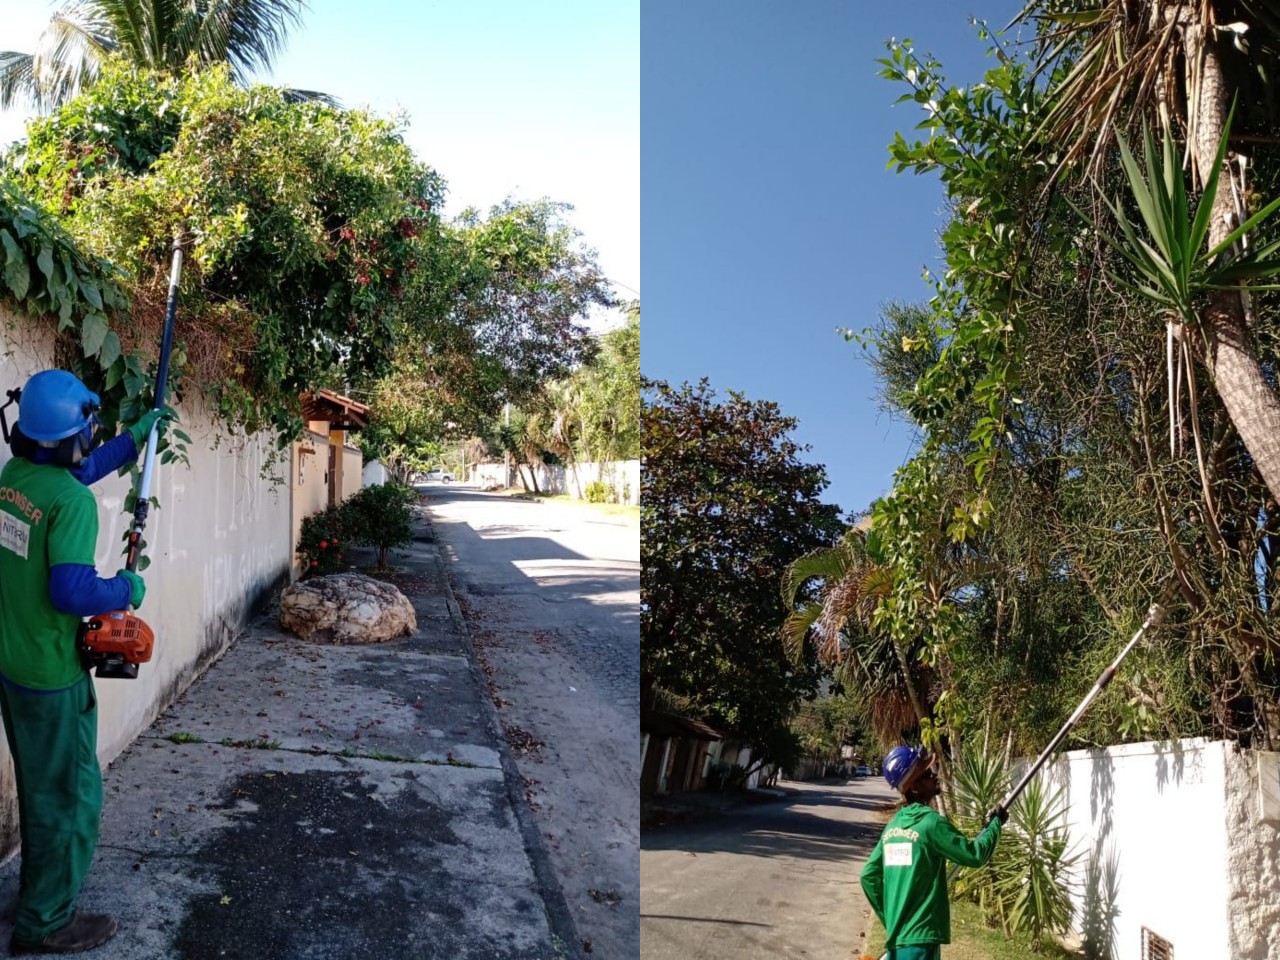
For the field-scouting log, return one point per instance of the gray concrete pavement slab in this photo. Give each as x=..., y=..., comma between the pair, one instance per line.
x=210, y=851
x=386, y=700
x=340, y=803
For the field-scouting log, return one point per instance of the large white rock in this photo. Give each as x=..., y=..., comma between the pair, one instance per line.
x=346, y=608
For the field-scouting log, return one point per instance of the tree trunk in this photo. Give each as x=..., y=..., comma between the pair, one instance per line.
x=912, y=693
x=1230, y=356
x=573, y=468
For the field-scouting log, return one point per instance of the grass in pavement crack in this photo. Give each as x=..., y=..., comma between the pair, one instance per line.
x=262, y=743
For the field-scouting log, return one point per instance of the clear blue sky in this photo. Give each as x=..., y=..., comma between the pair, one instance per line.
x=504, y=97
x=769, y=217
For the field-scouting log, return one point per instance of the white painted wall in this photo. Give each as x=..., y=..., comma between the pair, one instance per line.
x=310, y=487
x=218, y=543
x=622, y=475
x=1191, y=856
x=352, y=467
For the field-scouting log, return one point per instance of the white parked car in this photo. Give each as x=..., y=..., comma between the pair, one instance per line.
x=443, y=476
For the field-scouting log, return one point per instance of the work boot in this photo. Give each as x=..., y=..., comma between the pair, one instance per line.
x=83, y=932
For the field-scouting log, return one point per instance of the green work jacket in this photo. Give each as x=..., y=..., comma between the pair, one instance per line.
x=47, y=517
x=905, y=879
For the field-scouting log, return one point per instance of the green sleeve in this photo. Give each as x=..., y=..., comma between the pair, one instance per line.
x=958, y=848
x=73, y=529
x=873, y=880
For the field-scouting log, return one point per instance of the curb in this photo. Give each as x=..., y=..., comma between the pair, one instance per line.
x=559, y=918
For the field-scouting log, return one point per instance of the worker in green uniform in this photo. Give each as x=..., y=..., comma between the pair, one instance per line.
x=905, y=878
x=48, y=537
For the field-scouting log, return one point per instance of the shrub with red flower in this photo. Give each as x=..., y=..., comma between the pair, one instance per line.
x=319, y=545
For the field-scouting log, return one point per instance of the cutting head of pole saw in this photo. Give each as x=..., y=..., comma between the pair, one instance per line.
x=113, y=644
x=1155, y=614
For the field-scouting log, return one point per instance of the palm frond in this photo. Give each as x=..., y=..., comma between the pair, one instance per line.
x=132, y=26
x=796, y=627
x=17, y=79
x=70, y=53
x=158, y=34
x=294, y=95
x=1123, y=61
x=827, y=563
x=248, y=34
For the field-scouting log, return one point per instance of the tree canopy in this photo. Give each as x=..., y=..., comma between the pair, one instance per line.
x=727, y=502
x=301, y=220
x=1081, y=456
x=494, y=310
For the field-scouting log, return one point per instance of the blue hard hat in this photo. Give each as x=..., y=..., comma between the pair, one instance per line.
x=55, y=405
x=900, y=762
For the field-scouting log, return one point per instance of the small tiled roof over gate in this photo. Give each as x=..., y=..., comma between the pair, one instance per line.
x=338, y=411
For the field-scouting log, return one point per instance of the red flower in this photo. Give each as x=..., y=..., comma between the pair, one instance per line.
x=315, y=563
x=324, y=544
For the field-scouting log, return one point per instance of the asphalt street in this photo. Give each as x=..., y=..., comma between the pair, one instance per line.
x=552, y=594
x=774, y=878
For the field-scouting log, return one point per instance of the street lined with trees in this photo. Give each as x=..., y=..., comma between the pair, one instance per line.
x=1093, y=382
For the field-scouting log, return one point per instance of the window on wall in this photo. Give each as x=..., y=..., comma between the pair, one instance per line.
x=1155, y=947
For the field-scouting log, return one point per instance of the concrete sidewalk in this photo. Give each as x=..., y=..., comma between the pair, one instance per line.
x=312, y=802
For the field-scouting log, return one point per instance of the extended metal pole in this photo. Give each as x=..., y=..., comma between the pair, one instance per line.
x=142, y=504
x=1155, y=614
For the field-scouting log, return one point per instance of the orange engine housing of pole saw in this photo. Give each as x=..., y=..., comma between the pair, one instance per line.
x=119, y=632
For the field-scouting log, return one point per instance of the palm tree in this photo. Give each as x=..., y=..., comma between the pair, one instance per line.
x=158, y=34
x=889, y=681
x=564, y=398
x=1180, y=62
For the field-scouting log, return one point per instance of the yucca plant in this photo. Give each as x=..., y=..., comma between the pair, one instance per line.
x=1026, y=886
x=1177, y=268
x=1032, y=877
x=979, y=782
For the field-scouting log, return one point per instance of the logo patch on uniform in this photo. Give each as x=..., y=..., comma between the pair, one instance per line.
x=14, y=535
x=898, y=854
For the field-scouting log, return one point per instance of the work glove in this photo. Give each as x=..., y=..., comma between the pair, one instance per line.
x=137, y=589
x=142, y=429
x=999, y=813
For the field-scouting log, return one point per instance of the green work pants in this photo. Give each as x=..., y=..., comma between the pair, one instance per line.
x=53, y=737
x=931, y=952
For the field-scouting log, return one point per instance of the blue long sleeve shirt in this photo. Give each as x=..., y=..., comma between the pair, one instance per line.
x=77, y=589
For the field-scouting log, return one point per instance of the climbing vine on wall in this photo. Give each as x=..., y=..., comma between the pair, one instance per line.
x=301, y=221
x=46, y=275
